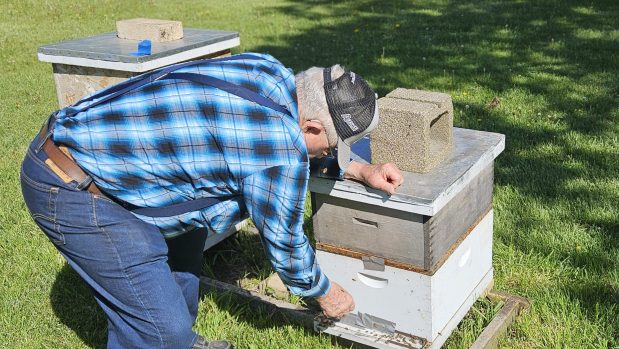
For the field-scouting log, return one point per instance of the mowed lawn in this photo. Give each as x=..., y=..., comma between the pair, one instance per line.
x=554, y=66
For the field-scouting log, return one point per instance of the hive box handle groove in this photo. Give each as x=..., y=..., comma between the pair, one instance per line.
x=365, y=222
x=372, y=281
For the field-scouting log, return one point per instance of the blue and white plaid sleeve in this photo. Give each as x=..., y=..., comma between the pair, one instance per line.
x=275, y=199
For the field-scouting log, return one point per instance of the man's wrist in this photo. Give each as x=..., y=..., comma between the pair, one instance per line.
x=355, y=171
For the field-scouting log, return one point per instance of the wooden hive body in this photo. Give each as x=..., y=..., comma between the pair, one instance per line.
x=86, y=65
x=422, y=306
x=403, y=239
x=419, y=259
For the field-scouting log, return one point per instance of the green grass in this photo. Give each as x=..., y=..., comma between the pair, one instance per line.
x=553, y=64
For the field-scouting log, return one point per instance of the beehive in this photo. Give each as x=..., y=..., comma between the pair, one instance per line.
x=420, y=258
x=86, y=65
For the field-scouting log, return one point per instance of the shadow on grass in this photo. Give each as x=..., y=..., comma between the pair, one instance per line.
x=241, y=260
x=551, y=64
x=75, y=306
x=262, y=317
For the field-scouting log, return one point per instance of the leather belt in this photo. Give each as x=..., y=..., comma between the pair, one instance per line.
x=65, y=163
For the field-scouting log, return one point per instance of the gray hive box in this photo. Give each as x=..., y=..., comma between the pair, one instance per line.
x=85, y=65
x=415, y=129
x=417, y=227
x=416, y=261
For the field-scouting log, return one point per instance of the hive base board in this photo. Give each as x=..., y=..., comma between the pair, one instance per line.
x=301, y=316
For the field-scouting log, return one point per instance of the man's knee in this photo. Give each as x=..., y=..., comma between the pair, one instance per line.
x=177, y=333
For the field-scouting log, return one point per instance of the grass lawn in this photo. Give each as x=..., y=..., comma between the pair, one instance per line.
x=553, y=64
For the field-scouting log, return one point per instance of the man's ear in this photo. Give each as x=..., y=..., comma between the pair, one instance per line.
x=313, y=127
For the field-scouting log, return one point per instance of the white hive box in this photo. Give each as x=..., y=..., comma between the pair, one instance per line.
x=415, y=262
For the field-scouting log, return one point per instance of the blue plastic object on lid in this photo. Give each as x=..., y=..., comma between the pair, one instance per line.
x=144, y=48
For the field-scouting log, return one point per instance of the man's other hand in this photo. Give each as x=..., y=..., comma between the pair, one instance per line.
x=337, y=302
x=386, y=177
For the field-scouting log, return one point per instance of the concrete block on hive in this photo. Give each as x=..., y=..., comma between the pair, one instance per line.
x=156, y=30
x=415, y=129
x=441, y=100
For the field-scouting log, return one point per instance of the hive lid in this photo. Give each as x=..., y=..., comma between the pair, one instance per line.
x=107, y=51
x=423, y=193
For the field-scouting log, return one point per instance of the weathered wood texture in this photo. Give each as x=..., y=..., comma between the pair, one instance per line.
x=421, y=242
x=75, y=82
x=373, y=230
x=444, y=231
x=489, y=338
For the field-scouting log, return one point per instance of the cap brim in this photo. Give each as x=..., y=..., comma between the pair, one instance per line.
x=343, y=149
x=343, y=154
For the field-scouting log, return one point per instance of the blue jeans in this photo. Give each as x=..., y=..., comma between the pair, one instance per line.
x=123, y=259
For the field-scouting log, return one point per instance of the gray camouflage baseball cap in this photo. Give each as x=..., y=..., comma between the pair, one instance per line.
x=353, y=108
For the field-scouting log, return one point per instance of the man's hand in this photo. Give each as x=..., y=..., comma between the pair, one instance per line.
x=385, y=177
x=337, y=302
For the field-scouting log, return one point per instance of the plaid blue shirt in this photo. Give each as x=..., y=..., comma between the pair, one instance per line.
x=172, y=141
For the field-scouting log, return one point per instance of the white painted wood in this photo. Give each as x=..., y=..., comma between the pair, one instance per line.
x=377, y=339
x=482, y=287
x=425, y=306
x=374, y=339
x=143, y=66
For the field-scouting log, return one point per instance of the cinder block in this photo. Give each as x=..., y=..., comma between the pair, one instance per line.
x=74, y=82
x=441, y=100
x=156, y=30
x=415, y=130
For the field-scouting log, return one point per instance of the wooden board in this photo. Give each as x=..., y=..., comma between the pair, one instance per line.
x=489, y=338
x=420, y=243
x=424, y=306
x=372, y=230
x=445, y=230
